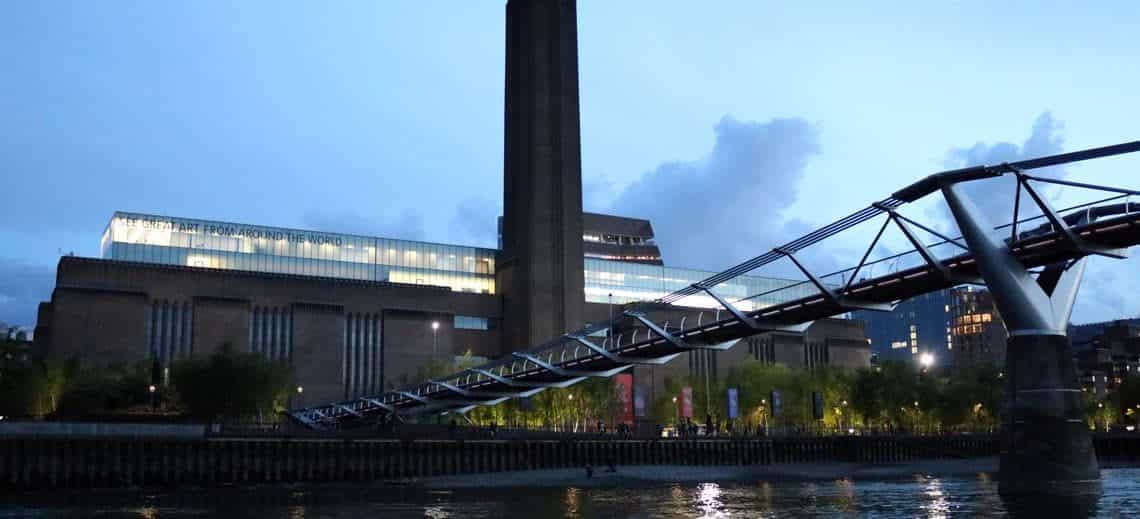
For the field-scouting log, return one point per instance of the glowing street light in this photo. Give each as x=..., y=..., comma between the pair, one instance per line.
x=434, y=338
x=570, y=396
x=926, y=359
x=300, y=390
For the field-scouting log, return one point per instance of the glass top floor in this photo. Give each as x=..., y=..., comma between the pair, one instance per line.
x=214, y=244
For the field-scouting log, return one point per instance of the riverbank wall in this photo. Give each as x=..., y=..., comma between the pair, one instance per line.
x=48, y=463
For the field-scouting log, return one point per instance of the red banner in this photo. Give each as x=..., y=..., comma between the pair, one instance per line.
x=624, y=385
x=685, y=403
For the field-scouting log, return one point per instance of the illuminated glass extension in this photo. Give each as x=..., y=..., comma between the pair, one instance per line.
x=203, y=243
x=629, y=282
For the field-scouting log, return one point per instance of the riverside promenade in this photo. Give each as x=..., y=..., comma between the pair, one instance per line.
x=121, y=461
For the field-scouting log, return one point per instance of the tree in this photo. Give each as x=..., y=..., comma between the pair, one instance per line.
x=90, y=392
x=29, y=386
x=229, y=384
x=1128, y=399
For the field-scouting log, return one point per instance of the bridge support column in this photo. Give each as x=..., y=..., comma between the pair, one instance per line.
x=1047, y=449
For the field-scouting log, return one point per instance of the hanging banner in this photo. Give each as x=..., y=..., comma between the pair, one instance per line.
x=777, y=404
x=624, y=385
x=733, y=409
x=685, y=403
x=638, y=402
x=817, y=405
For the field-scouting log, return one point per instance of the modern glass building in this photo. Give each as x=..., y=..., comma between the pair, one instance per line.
x=223, y=245
x=917, y=325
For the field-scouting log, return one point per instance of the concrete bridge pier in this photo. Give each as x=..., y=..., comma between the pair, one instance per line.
x=1047, y=453
x=1047, y=448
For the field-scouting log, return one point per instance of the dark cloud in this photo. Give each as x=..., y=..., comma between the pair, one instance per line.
x=726, y=207
x=476, y=223
x=408, y=225
x=22, y=287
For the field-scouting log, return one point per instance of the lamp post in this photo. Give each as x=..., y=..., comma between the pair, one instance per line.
x=926, y=360
x=151, y=389
x=300, y=390
x=434, y=339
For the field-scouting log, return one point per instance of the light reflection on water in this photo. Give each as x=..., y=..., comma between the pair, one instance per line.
x=921, y=496
x=708, y=501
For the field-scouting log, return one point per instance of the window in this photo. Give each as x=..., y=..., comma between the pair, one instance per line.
x=463, y=322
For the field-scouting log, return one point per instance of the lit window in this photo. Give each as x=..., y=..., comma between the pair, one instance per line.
x=463, y=322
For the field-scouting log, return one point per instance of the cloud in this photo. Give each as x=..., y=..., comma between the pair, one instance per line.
x=598, y=193
x=1105, y=281
x=408, y=225
x=726, y=207
x=475, y=222
x=995, y=197
x=22, y=287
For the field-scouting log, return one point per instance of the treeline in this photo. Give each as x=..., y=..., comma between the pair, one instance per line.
x=893, y=396
x=225, y=385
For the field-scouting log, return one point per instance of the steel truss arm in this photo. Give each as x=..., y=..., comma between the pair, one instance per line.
x=486, y=394
x=751, y=322
x=349, y=410
x=830, y=295
x=863, y=261
x=569, y=373
x=1062, y=228
x=931, y=260
x=672, y=339
x=377, y=403
x=618, y=358
x=435, y=404
x=510, y=382
x=1025, y=307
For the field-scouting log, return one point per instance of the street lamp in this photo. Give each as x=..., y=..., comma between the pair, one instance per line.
x=434, y=338
x=926, y=359
x=151, y=389
x=300, y=390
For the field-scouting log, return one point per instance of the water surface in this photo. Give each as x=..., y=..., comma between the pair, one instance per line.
x=920, y=496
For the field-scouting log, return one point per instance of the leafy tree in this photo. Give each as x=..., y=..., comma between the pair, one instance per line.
x=1128, y=399
x=90, y=392
x=230, y=384
x=29, y=389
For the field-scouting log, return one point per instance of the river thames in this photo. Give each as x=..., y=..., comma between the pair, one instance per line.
x=918, y=496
